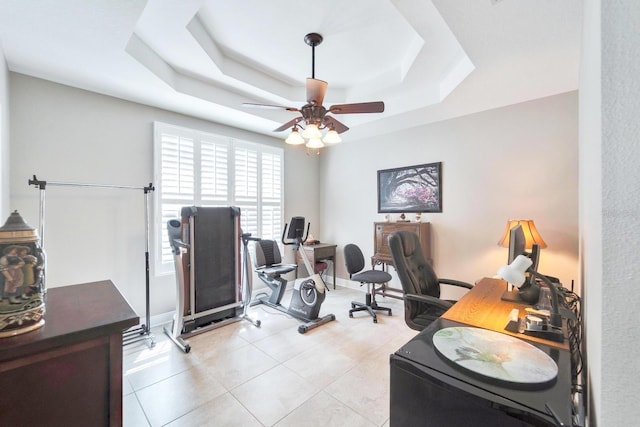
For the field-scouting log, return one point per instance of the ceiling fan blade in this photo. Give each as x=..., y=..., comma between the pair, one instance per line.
x=280, y=107
x=330, y=122
x=289, y=124
x=362, y=107
x=316, y=90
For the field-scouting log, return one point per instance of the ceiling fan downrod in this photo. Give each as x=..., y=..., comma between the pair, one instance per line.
x=313, y=40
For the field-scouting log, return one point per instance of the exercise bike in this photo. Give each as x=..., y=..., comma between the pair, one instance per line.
x=308, y=293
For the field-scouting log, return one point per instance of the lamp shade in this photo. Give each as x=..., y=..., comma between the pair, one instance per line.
x=514, y=272
x=315, y=143
x=294, y=138
x=332, y=137
x=531, y=234
x=311, y=131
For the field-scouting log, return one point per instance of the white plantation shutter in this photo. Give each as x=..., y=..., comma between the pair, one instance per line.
x=177, y=182
x=271, y=185
x=246, y=188
x=214, y=172
x=196, y=168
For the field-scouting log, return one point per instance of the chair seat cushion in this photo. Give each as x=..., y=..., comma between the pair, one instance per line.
x=320, y=266
x=428, y=315
x=372, y=276
x=276, y=270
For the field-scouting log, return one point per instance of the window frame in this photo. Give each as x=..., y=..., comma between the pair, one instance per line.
x=162, y=266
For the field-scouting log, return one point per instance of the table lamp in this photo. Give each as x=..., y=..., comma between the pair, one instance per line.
x=531, y=234
x=514, y=273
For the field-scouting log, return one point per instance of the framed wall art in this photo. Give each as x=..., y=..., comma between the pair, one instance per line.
x=410, y=189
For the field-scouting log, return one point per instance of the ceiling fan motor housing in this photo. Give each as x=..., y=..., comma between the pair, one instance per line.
x=313, y=114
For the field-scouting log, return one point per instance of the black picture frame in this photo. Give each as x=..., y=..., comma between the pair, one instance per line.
x=410, y=189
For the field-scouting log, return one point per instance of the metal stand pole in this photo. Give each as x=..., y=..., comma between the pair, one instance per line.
x=246, y=282
x=133, y=334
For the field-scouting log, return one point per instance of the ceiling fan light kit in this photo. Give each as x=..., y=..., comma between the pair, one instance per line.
x=313, y=116
x=311, y=131
x=294, y=137
x=315, y=143
x=332, y=137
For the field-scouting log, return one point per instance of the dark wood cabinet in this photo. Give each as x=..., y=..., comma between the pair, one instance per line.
x=382, y=230
x=69, y=372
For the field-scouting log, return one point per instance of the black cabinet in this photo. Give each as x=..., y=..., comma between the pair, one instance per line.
x=428, y=390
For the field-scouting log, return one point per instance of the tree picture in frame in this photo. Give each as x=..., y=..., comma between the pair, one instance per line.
x=410, y=189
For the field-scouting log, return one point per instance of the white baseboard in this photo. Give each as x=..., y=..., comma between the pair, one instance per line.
x=166, y=318
x=350, y=284
x=162, y=319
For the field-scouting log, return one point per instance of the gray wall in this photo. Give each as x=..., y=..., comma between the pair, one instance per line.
x=610, y=207
x=513, y=162
x=70, y=135
x=591, y=261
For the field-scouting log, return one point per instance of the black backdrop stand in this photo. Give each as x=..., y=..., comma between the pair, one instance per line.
x=136, y=333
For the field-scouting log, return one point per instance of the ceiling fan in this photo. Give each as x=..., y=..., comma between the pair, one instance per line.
x=313, y=115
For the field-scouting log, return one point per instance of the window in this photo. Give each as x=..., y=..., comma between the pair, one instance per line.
x=193, y=168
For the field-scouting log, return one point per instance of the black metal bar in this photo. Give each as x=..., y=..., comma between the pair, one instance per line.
x=313, y=61
x=142, y=331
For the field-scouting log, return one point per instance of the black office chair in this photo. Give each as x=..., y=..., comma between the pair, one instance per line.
x=354, y=261
x=421, y=285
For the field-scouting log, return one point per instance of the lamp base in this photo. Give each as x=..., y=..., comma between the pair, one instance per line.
x=528, y=293
x=512, y=296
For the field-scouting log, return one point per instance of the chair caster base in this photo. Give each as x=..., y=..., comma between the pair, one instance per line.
x=369, y=307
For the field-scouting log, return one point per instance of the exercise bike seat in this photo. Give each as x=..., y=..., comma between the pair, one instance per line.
x=268, y=260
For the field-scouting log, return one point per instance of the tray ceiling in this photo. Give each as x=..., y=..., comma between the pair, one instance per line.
x=427, y=60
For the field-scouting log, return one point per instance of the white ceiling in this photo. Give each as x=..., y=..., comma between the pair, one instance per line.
x=427, y=60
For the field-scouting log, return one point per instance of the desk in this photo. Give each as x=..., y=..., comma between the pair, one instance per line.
x=482, y=307
x=425, y=386
x=69, y=372
x=320, y=252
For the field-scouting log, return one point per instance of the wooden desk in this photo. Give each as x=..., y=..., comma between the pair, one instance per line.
x=69, y=372
x=425, y=386
x=320, y=252
x=482, y=307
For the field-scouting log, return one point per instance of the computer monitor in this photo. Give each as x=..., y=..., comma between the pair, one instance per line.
x=517, y=243
x=518, y=246
x=529, y=291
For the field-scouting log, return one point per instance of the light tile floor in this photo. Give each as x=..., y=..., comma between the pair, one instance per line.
x=241, y=375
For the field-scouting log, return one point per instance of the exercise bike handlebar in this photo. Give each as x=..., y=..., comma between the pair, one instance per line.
x=297, y=240
x=246, y=237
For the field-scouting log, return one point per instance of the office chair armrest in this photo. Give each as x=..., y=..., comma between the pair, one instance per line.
x=455, y=283
x=445, y=305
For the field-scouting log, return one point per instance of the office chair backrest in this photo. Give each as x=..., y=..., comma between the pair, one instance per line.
x=353, y=259
x=414, y=272
x=267, y=253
